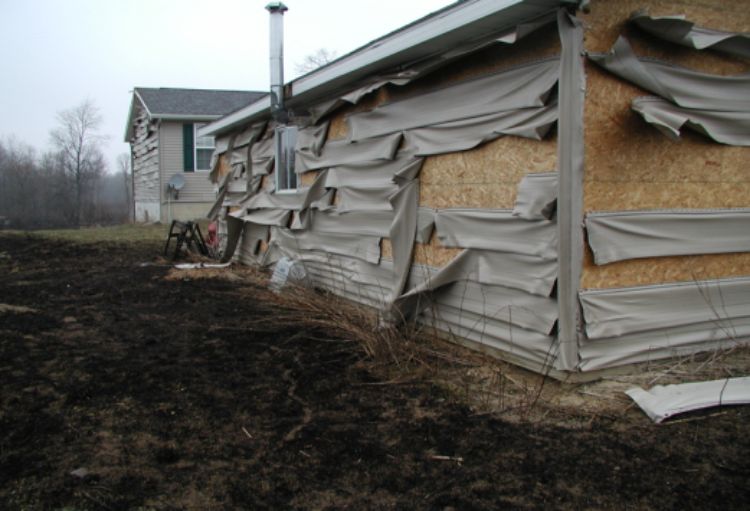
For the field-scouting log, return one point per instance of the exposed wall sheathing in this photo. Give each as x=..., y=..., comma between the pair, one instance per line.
x=359, y=245
x=362, y=221
x=635, y=171
x=647, y=170
x=486, y=177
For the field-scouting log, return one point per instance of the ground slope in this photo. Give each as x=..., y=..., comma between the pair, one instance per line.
x=168, y=397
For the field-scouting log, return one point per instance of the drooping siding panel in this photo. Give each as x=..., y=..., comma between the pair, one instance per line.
x=648, y=171
x=360, y=244
x=666, y=220
x=489, y=273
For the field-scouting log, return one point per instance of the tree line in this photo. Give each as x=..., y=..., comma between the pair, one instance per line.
x=69, y=185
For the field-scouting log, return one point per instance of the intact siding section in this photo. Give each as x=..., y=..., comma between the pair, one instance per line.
x=198, y=187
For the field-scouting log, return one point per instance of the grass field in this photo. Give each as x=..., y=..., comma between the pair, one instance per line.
x=112, y=233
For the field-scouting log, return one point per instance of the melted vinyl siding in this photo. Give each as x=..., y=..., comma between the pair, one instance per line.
x=145, y=148
x=197, y=188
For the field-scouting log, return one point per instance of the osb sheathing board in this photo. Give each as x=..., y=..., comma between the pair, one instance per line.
x=224, y=168
x=641, y=272
x=308, y=178
x=338, y=129
x=386, y=249
x=542, y=43
x=485, y=177
x=433, y=254
x=430, y=254
x=630, y=165
x=267, y=182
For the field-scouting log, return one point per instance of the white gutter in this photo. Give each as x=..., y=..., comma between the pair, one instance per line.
x=129, y=127
x=185, y=117
x=376, y=51
x=237, y=117
x=148, y=112
x=432, y=27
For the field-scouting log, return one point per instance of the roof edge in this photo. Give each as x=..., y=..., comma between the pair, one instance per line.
x=425, y=29
x=129, y=125
x=185, y=117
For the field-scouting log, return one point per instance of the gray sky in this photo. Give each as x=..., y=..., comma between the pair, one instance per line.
x=56, y=53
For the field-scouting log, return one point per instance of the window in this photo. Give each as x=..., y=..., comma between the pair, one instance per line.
x=196, y=151
x=204, y=149
x=286, y=140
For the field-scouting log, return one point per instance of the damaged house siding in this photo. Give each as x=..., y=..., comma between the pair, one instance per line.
x=145, y=158
x=429, y=193
x=160, y=130
x=691, y=192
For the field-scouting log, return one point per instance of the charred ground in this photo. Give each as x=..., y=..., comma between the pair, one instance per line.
x=169, y=398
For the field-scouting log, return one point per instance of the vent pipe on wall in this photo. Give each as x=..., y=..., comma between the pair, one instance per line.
x=277, y=10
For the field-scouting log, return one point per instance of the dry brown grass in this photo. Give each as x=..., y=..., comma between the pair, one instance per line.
x=404, y=354
x=420, y=355
x=123, y=233
x=409, y=354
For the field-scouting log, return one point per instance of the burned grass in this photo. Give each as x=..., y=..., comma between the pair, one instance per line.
x=200, y=393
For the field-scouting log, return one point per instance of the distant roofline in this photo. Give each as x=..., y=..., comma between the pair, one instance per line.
x=175, y=117
x=198, y=89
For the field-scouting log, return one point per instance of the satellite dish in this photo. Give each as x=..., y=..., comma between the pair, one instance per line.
x=175, y=184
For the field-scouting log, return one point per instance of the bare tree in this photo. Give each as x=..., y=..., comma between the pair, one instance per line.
x=318, y=58
x=79, y=143
x=123, y=165
x=19, y=185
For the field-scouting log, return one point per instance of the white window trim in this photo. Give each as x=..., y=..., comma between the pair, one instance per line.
x=277, y=170
x=197, y=125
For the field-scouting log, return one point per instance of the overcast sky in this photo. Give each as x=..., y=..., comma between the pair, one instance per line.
x=56, y=53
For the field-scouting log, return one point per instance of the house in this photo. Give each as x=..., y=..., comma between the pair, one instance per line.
x=563, y=185
x=161, y=132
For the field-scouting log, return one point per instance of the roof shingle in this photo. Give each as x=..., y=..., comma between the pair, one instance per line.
x=168, y=101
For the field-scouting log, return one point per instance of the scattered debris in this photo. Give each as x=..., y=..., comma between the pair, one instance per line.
x=287, y=269
x=438, y=457
x=80, y=473
x=197, y=266
x=665, y=401
x=18, y=309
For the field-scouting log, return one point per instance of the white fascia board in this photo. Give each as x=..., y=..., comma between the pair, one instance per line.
x=378, y=50
x=135, y=92
x=235, y=118
x=129, y=127
x=185, y=117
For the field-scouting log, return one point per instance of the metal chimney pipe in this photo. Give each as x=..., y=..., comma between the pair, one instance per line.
x=277, y=10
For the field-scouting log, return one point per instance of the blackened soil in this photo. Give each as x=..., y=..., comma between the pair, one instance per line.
x=169, y=397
